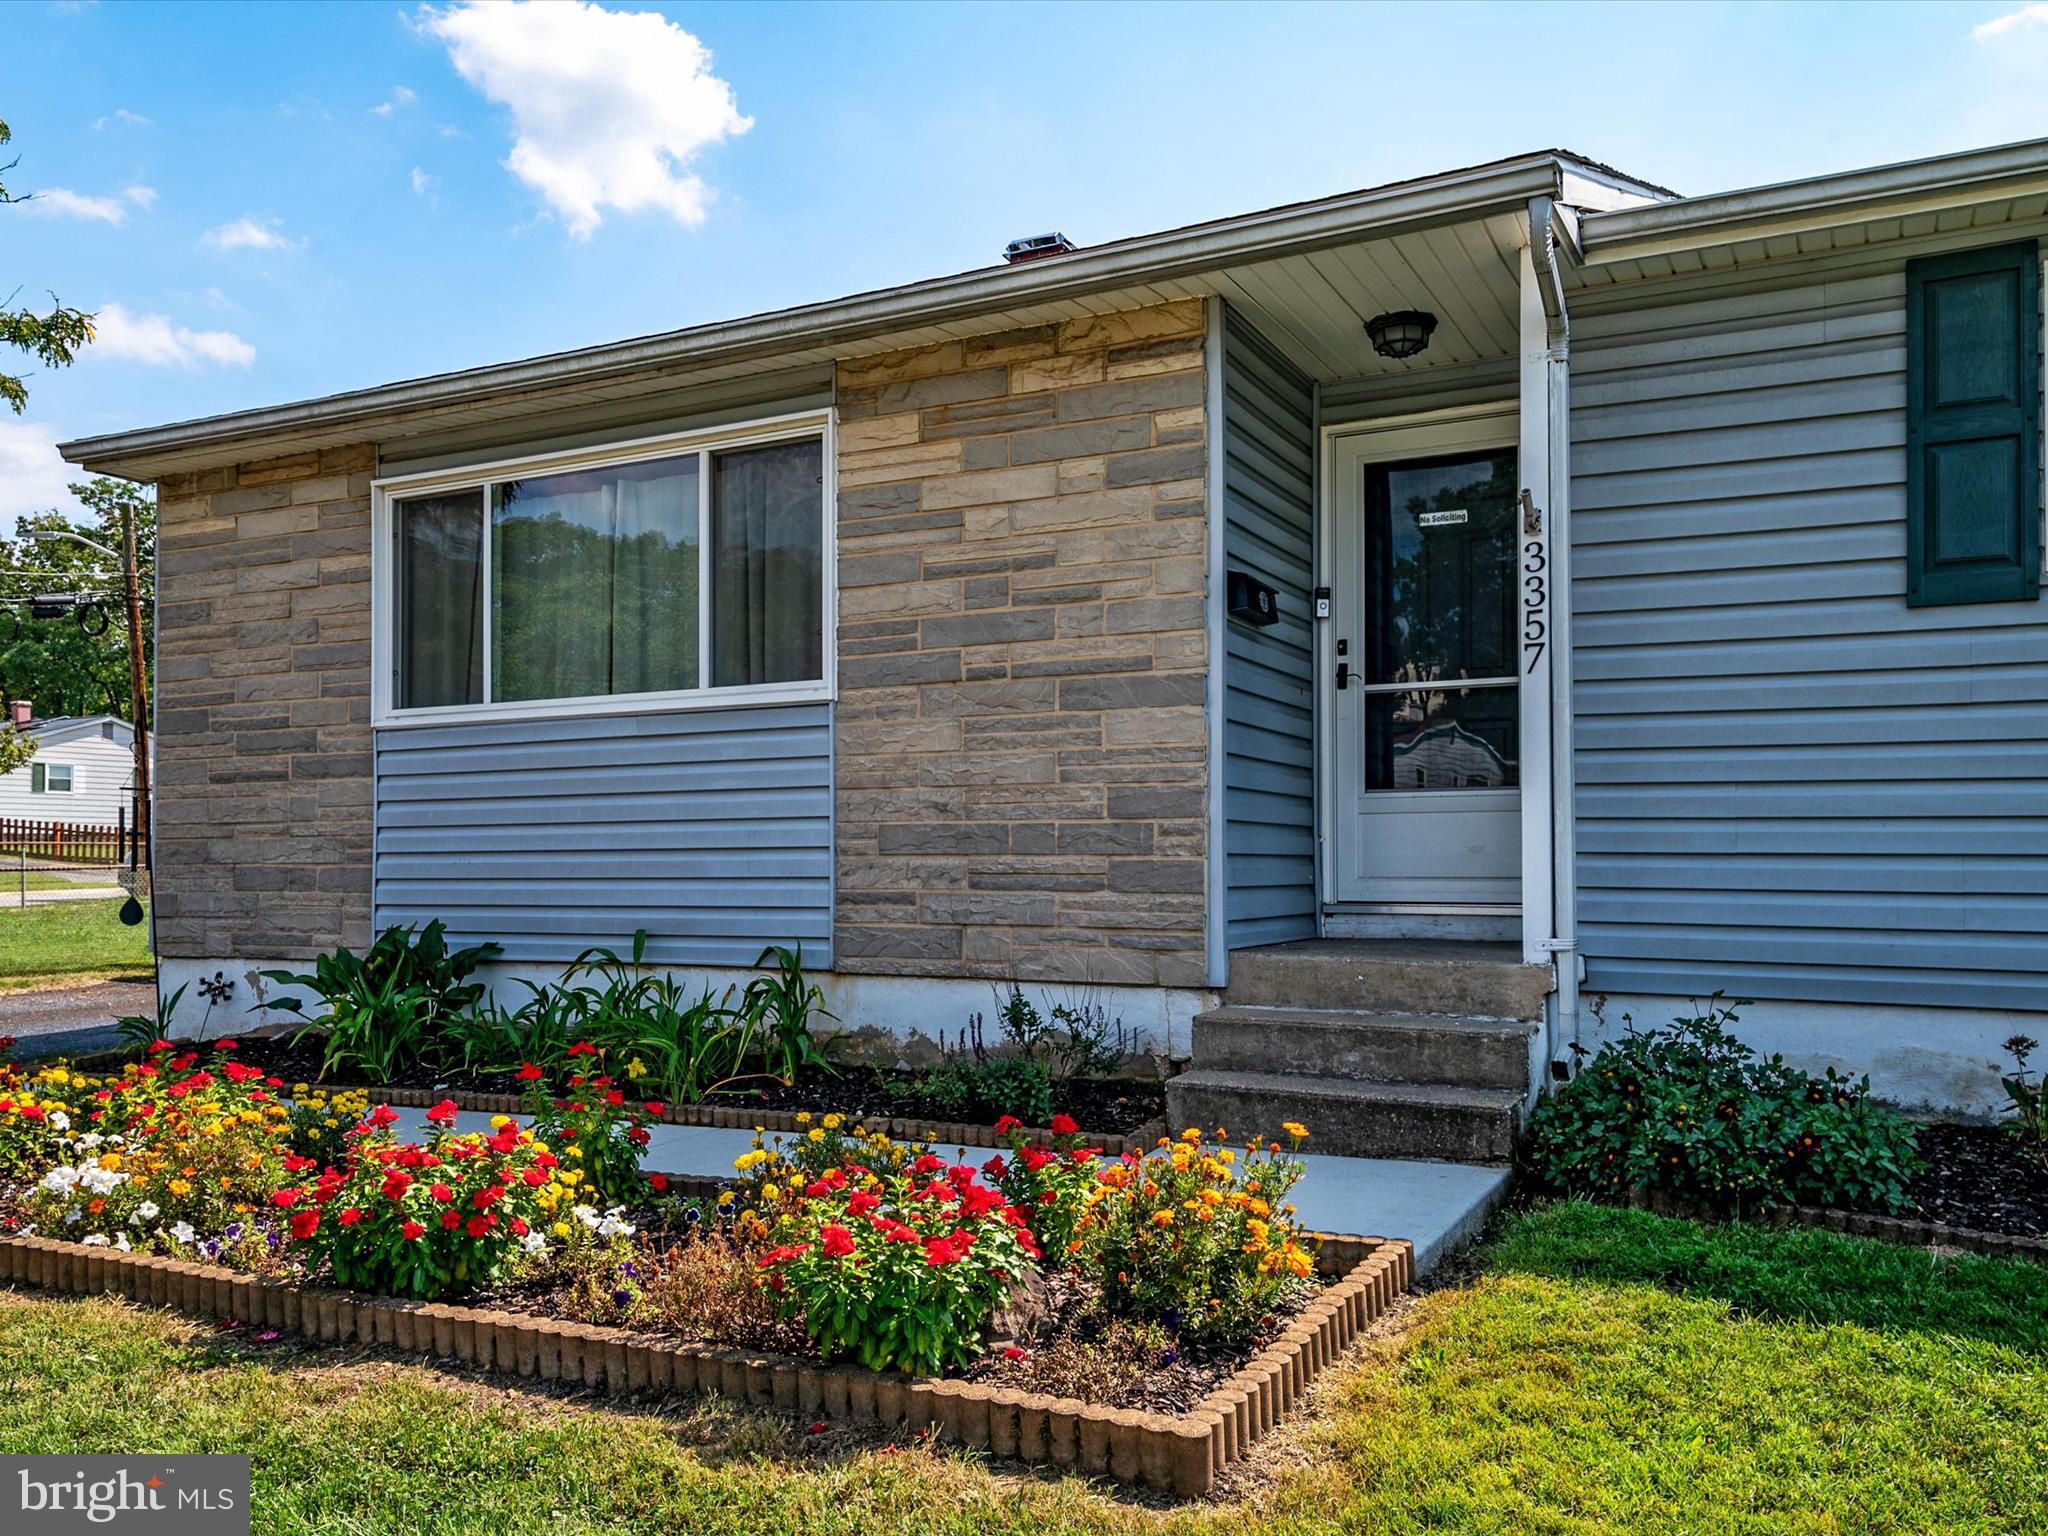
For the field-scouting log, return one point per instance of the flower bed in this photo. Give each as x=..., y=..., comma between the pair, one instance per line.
x=984, y=1298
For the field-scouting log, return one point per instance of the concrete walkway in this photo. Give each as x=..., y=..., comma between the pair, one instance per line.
x=1439, y=1207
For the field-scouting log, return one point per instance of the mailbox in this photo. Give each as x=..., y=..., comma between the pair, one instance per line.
x=1251, y=600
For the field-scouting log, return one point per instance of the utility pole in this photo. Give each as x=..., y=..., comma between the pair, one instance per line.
x=138, y=684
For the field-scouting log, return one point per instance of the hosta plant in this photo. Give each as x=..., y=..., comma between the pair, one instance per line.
x=899, y=1269
x=427, y=1219
x=1198, y=1238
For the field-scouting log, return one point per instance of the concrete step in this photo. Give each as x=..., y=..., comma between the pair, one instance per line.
x=1463, y=979
x=1368, y=1047
x=1352, y=1119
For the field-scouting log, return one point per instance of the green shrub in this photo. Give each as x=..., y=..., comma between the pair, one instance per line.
x=386, y=1008
x=1691, y=1112
x=983, y=1090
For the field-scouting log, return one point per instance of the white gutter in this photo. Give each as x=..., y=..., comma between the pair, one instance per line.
x=1890, y=191
x=1174, y=254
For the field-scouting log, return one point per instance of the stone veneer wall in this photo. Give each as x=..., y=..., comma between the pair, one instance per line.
x=263, y=808
x=1021, y=743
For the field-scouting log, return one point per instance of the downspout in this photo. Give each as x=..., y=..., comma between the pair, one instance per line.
x=1561, y=221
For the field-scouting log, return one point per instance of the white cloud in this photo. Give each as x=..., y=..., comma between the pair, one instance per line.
x=141, y=196
x=401, y=96
x=608, y=107
x=63, y=203
x=422, y=183
x=33, y=476
x=161, y=343
x=123, y=118
x=2025, y=16
x=252, y=234
x=220, y=300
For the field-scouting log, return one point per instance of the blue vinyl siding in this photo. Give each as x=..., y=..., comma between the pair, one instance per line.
x=712, y=829
x=1268, y=730
x=1790, y=785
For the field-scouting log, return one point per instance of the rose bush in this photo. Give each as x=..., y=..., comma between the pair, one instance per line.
x=1196, y=1237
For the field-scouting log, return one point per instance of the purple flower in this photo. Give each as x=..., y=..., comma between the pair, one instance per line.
x=628, y=1270
x=233, y=1232
x=621, y=1296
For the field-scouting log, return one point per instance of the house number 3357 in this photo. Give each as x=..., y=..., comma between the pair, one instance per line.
x=1535, y=601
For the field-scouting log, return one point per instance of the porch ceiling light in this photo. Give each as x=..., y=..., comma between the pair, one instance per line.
x=1401, y=334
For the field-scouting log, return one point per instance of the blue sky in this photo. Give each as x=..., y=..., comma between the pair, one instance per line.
x=267, y=202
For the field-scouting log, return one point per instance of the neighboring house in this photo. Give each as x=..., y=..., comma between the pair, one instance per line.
x=1697, y=540
x=83, y=773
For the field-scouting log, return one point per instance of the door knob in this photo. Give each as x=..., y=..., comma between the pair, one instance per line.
x=1343, y=675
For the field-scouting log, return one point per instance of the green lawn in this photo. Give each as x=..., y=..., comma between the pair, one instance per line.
x=57, y=940
x=1610, y=1371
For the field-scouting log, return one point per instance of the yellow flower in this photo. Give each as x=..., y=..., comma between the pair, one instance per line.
x=817, y=1134
x=561, y=1229
x=1162, y=1218
x=636, y=1069
x=180, y=1187
x=1295, y=1129
x=832, y=1122
x=803, y=1117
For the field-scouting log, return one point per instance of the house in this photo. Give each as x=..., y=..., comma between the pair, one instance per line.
x=1372, y=644
x=82, y=774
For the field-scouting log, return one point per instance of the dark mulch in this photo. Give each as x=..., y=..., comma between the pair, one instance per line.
x=1984, y=1177
x=1112, y=1106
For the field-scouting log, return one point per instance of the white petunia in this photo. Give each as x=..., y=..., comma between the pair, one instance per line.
x=121, y=1242
x=146, y=1210
x=59, y=1121
x=533, y=1242
x=91, y=1139
x=95, y=1240
x=181, y=1231
x=60, y=1180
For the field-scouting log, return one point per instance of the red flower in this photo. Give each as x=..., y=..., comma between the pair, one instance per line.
x=995, y=1167
x=413, y=1231
x=928, y=1164
x=441, y=1192
x=450, y=1220
x=582, y=1048
x=533, y=1178
x=656, y=1108
x=836, y=1240
x=1007, y=1124
x=614, y=1096
x=350, y=1216
x=383, y=1114
x=305, y=1224
x=285, y=1197
x=1064, y=1125
x=529, y=1073
x=478, y=1225
x=396, y=1183
x=861, y=1201
x=488, y=1196
x=659, y=1181
x=1035, y=1157
x=1013, y=1354
x=443, y=1113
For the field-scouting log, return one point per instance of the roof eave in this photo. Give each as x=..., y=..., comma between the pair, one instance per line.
x=1915, y=186
x=1180, y=253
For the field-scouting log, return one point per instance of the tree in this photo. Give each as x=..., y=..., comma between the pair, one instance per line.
x=53, y=338
x=57, y=662
x=15, y=748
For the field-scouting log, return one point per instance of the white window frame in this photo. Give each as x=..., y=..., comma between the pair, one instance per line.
x=49, y=772
x=386, y=492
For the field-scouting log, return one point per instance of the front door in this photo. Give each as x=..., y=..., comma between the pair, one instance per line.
x=1423, y=646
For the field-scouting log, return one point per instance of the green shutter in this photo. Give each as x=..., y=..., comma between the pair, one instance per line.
x=38, y=777
x=1973, y=426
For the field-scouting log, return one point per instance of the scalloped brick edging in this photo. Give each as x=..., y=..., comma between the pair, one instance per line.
x=781, y=1121
x=1179, y=1453
x=1904, y=1230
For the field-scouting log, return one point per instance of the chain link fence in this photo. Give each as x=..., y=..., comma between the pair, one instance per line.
x=71, y=909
